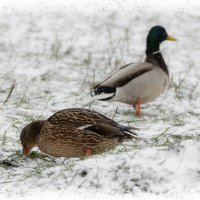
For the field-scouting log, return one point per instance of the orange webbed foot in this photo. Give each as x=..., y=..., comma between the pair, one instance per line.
x=137, y=108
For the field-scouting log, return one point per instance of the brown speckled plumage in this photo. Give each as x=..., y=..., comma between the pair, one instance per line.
x=68, y=133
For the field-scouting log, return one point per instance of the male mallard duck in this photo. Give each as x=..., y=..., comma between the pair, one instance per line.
x=137, y=84
x=74, y=133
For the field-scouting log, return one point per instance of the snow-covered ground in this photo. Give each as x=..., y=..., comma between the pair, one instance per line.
x=55, y=58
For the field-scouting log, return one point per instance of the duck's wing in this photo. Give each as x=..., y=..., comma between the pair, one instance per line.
x=85, y=119
x=90, y=135
x=109, y=131
x=120, y=78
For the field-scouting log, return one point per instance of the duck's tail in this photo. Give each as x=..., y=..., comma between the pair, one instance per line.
x=103, y=93
x=128, y=133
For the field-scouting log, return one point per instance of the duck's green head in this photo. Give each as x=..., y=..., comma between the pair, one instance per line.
x=156, y=35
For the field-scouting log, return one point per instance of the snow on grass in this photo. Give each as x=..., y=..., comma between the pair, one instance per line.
x=55, y=59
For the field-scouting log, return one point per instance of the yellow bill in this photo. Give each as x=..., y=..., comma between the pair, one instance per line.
x=171, y=38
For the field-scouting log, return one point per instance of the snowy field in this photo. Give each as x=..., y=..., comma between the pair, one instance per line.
x=54, y=59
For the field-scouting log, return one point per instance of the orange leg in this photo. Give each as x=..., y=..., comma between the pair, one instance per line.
x=138, y=111
x=88, y=152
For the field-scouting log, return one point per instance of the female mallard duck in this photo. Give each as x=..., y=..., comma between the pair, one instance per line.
x=74, y=133
x=137, y=84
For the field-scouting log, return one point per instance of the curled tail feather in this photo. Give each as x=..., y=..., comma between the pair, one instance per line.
x=103, y=93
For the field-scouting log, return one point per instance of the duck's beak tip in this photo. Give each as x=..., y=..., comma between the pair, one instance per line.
x=25, y=152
